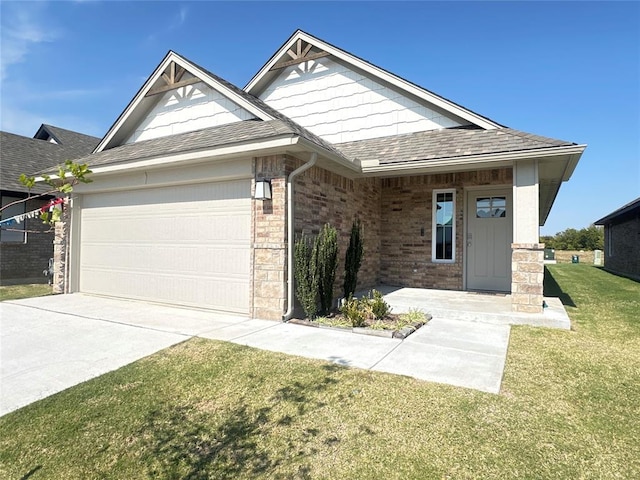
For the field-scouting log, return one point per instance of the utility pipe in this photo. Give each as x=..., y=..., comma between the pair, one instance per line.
x=290, y=214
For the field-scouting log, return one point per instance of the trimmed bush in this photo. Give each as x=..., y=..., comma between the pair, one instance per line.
x=352, y=309
x=305, y=272
x=353, y=260
x=326, y=254
x=379, y=307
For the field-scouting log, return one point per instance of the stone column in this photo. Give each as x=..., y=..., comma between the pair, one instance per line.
x=61, y=235
x=269, y=290
x=527, y=277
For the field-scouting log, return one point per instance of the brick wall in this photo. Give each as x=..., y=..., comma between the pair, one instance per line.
x=396, y=222
x=325, y=197
x=22, y=263
x=624, y=243
x=406, y=224
x=269, y=259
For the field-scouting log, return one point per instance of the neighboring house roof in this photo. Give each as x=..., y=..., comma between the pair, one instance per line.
x=26, y=155
x=74, y=143
x=631, y=208
x=443, y=144
x=269, y=71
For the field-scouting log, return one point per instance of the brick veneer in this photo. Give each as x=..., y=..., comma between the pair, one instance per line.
x=269, y=253
x=406, y=224
x=623, y=240
x=325, y=197
x=527, y=276
x=24, y=262
x=320, y=197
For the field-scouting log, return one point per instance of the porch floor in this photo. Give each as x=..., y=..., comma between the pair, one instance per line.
x=493, y=308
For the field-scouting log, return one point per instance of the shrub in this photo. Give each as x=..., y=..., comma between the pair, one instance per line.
x=371, y=308
x=412, y=317
x=305, y=272
x=352, y=309
x=353, y=260
x=379, y=307
x=326, y=253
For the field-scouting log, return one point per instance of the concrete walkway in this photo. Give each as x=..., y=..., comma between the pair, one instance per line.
x=48, y=344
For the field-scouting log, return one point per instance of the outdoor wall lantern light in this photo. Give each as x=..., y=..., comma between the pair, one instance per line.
x=263, y=190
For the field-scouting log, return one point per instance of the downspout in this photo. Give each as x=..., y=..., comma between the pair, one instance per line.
x=290, y=214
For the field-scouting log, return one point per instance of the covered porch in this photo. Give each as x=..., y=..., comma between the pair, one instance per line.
x=492, y=308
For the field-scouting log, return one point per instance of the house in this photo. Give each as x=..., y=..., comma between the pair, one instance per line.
x=24, y=255
x=200, y=187
x=622, y=240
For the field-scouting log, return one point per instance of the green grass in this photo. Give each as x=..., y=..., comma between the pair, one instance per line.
x=569, y=408
x=14, y=292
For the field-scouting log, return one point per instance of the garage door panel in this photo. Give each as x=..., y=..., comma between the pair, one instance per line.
x=184, y=244
x=202, y=259
x=168, y=288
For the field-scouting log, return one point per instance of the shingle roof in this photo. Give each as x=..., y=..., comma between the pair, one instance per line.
x=630, y=208
x=223, y=135
x=442, y=144
x=75, y=143
x=26, y=155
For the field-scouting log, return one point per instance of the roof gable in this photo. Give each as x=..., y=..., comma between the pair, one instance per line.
x=342, y=104
x=302, y=47
x=180, y=96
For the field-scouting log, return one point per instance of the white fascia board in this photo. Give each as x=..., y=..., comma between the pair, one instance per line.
x=488, y=160
x=194, y=156
x=376, y=72
x=174, y=57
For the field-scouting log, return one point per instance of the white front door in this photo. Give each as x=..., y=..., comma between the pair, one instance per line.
x=488, y=239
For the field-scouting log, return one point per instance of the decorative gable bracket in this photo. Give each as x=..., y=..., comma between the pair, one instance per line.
x=300, y=52
x=173, y=79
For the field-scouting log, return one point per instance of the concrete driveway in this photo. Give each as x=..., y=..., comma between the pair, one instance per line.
x=48, y=344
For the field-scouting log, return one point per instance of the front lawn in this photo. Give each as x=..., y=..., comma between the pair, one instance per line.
x=205, y=409
x=15, y=292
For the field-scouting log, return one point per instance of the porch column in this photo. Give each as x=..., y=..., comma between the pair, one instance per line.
x=527, y=257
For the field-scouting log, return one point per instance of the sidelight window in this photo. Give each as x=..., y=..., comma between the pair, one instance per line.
x=444, y=226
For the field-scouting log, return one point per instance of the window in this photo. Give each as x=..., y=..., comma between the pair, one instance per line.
x=17, y=209
x=491, y=207
x=443, y=242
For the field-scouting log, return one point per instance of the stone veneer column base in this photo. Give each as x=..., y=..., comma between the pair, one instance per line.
x=527, y=277
x=60, y=257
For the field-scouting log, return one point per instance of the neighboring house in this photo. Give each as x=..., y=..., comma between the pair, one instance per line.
x=447, y=198
x=622, y=240
x=24, y=255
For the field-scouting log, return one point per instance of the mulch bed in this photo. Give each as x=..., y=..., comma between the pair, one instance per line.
x=389, y=330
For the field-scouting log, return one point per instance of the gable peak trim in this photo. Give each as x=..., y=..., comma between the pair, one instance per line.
x=168, y=76
x=264, y=75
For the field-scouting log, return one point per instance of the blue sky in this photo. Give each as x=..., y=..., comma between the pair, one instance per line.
x=566, y=70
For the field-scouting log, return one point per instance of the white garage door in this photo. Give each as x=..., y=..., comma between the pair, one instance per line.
x=187, y=245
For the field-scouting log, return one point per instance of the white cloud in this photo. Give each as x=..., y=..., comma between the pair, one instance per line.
x=177, y=21
x=22, y=29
